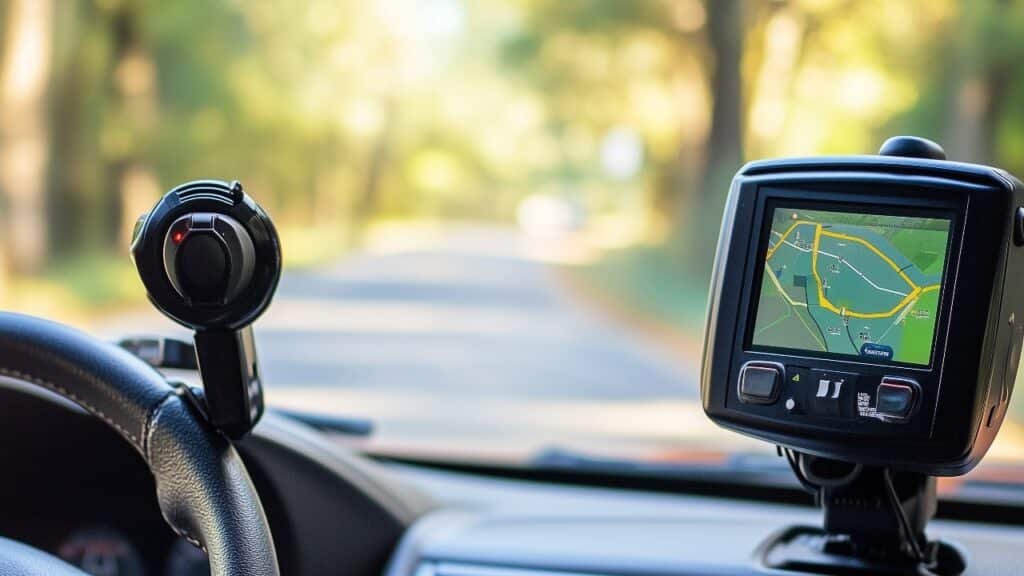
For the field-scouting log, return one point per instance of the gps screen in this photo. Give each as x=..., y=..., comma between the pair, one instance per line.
x=864, y=285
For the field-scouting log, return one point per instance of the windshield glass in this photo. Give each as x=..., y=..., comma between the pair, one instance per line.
x=498, y=216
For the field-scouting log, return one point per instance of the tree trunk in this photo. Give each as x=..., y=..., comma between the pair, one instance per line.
x=67, y=211
x=977, y=101
x=366, y=205
x=725, y=138
x=24, y=136
x=723, y=151
x=979, y=94
x=135, y=187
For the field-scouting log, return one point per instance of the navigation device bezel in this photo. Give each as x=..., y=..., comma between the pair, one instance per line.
x=965, y=387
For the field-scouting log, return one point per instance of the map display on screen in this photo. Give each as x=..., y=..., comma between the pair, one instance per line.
x=864, y=285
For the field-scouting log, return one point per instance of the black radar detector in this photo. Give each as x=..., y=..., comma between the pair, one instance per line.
x=866, y=315
x=210, y=259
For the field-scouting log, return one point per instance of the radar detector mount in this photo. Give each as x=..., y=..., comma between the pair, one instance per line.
x=864, y=317
x=210, y=259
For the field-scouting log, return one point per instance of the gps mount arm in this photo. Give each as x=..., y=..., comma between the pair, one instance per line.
x=210, y=259
x=874, y=523
x=911, y=385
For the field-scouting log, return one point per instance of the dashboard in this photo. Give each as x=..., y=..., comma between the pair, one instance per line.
x=80, y=492
x=503, y=527
x=90, y=501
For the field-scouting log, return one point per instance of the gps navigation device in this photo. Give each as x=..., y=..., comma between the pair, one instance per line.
x=865, y=317
x=864, y=308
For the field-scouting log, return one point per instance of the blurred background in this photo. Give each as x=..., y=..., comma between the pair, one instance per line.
x=485, y=204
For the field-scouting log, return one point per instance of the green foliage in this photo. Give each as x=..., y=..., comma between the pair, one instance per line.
x=96, y=279
x=335, y=112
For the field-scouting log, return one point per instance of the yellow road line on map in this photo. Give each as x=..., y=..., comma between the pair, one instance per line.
x=785, y=235
x=823, y=301
x=875, y=250
x=814, y=270
x=778, y=286
x=910, y=298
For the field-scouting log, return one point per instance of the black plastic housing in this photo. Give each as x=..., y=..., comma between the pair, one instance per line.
x=218, y=197
x=240, y=287
x=966, y=387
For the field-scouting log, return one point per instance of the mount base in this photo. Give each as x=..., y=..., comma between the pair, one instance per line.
x=812, y=550
x=874, y=523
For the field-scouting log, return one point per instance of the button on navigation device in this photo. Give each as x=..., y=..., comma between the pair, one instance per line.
x=894, y=399
x=831, y=394
x=759, y=382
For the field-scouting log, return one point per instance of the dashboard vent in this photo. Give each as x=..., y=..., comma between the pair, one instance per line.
x=433, y=568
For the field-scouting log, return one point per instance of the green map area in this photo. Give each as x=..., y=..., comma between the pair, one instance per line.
x=858, y=284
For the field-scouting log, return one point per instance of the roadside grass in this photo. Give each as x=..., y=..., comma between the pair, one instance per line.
x=76, y=287
x=308, y=246
x=89, y=285
x=653, y=283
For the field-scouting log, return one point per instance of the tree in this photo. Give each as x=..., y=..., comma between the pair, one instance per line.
x=711, y=31
x=983, y=53
x=369, y=198
x=135, y=103
x=24, y=134
x=724, y=147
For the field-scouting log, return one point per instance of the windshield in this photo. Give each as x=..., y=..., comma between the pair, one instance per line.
x=498, y=216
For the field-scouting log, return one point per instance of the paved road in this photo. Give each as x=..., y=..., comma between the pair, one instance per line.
x=466, y=341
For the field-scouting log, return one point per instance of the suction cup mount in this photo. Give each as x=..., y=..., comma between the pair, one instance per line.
x=875, y=522
x=210, y=260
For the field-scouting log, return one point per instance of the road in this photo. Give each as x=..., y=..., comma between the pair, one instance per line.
x=468, y=341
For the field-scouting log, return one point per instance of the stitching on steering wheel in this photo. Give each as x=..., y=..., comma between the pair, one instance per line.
x=83, y=375
x=143, y=445
x=76, y=399
x=151, y=416
x=147, y=424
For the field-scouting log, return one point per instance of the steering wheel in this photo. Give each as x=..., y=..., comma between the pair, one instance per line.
x=202, y=486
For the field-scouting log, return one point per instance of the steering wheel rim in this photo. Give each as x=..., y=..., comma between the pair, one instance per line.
x=203, y=489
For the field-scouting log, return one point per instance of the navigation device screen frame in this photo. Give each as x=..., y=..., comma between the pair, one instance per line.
x=767, y=215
